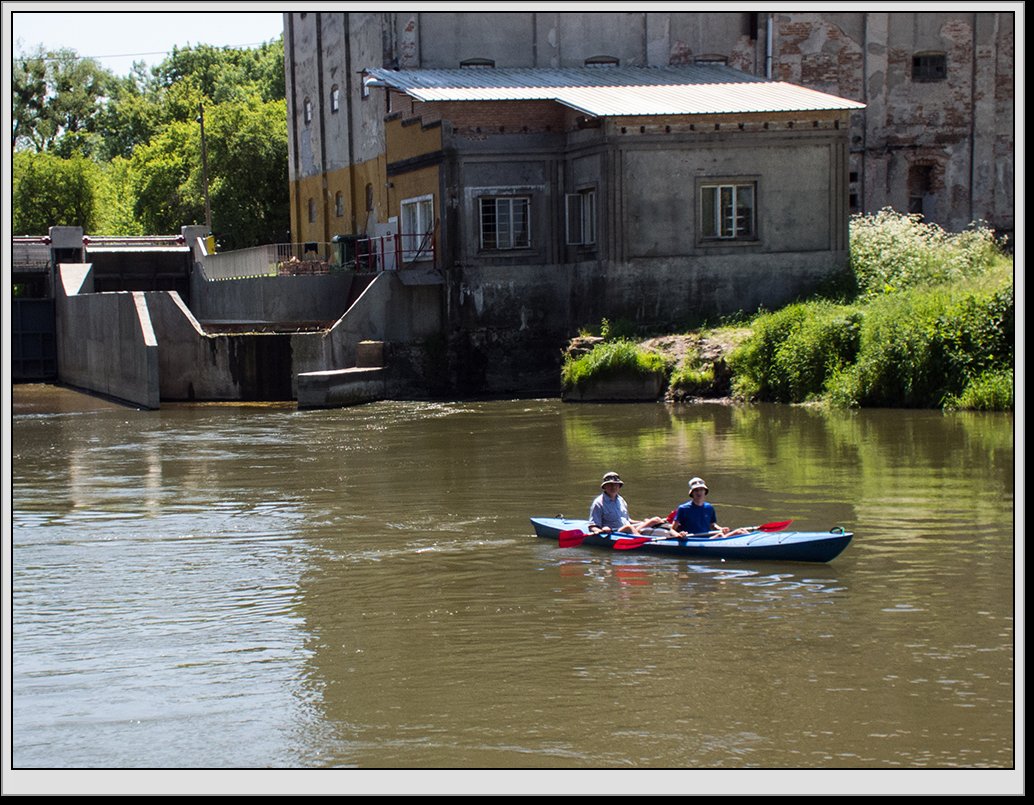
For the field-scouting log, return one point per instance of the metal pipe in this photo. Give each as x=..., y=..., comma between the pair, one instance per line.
x=769, y=35
x=204, y=167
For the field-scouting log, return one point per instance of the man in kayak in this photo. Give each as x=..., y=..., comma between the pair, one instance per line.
x=697, y=517
x=609, y=512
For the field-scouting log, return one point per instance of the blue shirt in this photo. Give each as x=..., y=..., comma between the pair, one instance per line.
x=696, y=519
x=612, y=514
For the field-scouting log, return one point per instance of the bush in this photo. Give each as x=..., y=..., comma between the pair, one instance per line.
x=891, y=252
x=933, y=325
x=991, y=391
x=794, y=351
x=611, y=358
x=925, y=348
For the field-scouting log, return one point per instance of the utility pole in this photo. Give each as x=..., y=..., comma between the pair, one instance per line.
x=204, y=167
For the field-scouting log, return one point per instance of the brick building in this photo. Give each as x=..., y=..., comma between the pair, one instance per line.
x=936, y=135
x=556, y=168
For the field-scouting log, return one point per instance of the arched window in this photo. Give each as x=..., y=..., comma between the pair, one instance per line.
x=477, y=63
x=339, y=204
x=312, y=210
x=335, y=98
x=602, y=61
x=307, y=111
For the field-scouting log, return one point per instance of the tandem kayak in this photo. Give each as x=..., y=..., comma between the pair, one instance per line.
x=785, y=546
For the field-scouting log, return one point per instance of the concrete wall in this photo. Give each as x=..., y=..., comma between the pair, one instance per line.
x=961, y=127
x=507, y=324
x=105, y=341
x=197, y=366
x=558, y=39
x=388, y=310
x=271, y=299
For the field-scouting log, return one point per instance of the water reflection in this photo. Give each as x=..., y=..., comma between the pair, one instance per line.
x=259, y=586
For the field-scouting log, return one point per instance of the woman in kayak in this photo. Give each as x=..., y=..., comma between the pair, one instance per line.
x=609, y=512
x=697, y=517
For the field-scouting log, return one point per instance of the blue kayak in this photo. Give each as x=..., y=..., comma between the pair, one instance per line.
x=785, y=546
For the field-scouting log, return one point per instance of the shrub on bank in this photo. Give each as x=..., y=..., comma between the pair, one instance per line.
x=894, y=252
x=926, y=348
x=793, y=351
x=932, y=326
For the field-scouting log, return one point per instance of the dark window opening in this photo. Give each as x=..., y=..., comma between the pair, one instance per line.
x=920, y=189
x=929, y=67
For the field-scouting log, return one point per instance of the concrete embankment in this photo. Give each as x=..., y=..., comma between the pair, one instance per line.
x=106, y=343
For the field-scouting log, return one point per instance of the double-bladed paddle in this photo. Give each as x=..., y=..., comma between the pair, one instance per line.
x=629, y=543
x=572, y=538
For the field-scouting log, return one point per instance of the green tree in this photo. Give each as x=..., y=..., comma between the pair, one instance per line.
x=166, y=179
x=57, y=98
x=141, y=132
x=247, y=148
x=48, y=190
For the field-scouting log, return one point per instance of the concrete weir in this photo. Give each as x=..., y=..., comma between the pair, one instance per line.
x=334, y=388
x=145, y=347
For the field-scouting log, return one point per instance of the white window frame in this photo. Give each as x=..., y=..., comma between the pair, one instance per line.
x=720, y=205
x=504, y=209
x=580, y=211
x=307, y=111
x=416, y=224
x=335, y=98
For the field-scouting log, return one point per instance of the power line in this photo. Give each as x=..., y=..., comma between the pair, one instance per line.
x=135, y=55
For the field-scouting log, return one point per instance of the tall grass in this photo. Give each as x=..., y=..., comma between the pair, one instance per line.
x=932, y=325
x=612, y=358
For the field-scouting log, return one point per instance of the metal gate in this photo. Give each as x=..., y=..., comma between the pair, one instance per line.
x=33, y=342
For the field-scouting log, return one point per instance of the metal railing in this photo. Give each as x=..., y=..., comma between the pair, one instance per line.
x=382, y=253
x=392, y=252
x=30, y=253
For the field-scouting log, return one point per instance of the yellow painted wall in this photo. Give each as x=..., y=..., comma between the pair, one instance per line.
x=412, y=140
x=323, y=188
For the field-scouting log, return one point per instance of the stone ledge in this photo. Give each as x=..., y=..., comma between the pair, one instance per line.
x=336, y=388
x=620, y=388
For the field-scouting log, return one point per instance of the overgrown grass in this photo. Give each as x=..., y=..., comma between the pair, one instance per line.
x=611, y=358
x=932, y=324
x=693, y=377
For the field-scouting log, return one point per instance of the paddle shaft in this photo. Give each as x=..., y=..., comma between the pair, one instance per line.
x=637, y=542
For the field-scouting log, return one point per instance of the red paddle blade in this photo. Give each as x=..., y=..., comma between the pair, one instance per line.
x=568, y=539
x=630, y=543
x=774, y=526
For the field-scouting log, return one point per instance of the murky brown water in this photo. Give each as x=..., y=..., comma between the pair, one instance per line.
x=233, y=586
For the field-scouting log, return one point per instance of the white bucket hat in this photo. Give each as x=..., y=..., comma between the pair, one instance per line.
x=697, y=483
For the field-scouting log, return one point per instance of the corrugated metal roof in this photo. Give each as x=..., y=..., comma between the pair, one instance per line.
x=617, y=91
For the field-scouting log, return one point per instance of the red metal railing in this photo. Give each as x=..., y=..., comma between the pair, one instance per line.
x=389, y=252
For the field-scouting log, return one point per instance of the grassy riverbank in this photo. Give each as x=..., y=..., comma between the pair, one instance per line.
x=922, y=319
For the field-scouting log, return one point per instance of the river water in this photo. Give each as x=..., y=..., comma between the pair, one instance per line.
x=257, y=587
